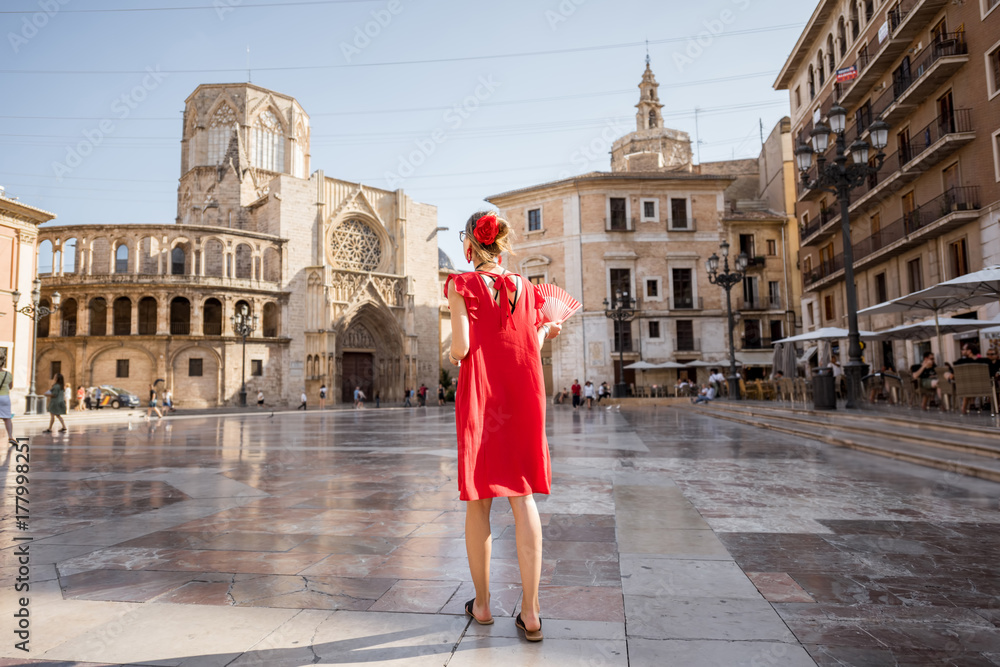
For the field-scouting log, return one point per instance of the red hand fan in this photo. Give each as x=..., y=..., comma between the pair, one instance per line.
x=559, y=305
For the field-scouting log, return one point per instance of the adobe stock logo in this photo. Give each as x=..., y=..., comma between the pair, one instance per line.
x=363, y=35
x=31, y=25
x=695, y=46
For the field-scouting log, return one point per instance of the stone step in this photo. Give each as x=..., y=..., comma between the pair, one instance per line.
x=899, y=448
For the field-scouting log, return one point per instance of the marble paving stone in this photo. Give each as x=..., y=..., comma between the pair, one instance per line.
x=174, y=635
x=242, y=561
x=778, y=587
x=504, y=599
x=506, y=651
x=682, y=544
x=116, y=558
x=340, y=544
x=45, y=554
x=716, y=653
x=344, y=565
x=587, y=573
x=60, y=620
x=686, y=578
x=121, y=585
x=581, y=603
x=425, y=597
x=553, y=629
x=221, y=541
x=703, y=618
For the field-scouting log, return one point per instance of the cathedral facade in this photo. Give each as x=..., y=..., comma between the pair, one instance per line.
x=338, y=279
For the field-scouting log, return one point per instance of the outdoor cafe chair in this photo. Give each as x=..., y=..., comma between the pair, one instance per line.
x=973, y=381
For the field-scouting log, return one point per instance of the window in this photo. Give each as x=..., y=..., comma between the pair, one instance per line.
x=623, y=336
x=685, y=336
x=774, y=294
x=654, y=329
x=855, y=22
x=958, y=253
x=121, y=368
x=747, y=245
x=940, y=30
x=989, y=6
x=751, y=334
x=881, y=290
x=996, y=155
x=122, y=316
x=807, y=264
x=621, y=282
x=652, y=119
x=863, y=116
x=68, y=311
x=98, y=317
x=828, y=312
x=812, y=83
x=811, y=312
x=177, y=262
x=180, y=316
x=650, y=210
x=652, y=288
x=751, y=294
x=147, y=316
x=121, y=259
x=993, y=71
x=683, y=288
x=220, y=132
x=869, y=10
x=535, y=220
x=916, y=276
x=798, y=96
x=821, y=69
x=269, y=326
x=679, y=214
x=256, y=367
x=949, y=178
x=55, y=368
x=536, y=280
x=212, y=318
x=842, y=36
x=903, y=145
x=195, y=368
x=268, y=143
x=777, y=330
x=618, y=210
x=772, y=247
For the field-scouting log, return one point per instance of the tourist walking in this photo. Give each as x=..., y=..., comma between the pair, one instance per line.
x=260, y=399
x=97, y=398
x=440, y=394
x=406, y=399
x=168, y=400
x=575, y=389
x=6, y=380
x=153, y=404
x=81, y=394
x=422, y=395
x=359, y=398
x=57, y=403
x=322, y=397
x=588, y=394
x=378, y=400
x=497, y=335
x=304, y=399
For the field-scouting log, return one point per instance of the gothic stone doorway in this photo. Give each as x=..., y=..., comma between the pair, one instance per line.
x=358, y=370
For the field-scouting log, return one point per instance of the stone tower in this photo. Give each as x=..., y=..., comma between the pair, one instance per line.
x=236, y=139
x=652, y=147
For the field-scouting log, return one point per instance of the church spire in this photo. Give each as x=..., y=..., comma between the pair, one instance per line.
x=648, y=115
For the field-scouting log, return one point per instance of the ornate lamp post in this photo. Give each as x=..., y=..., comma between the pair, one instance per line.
x=621, y=310
x=839, y=179
x=35, y=312
x=726, y=280
x=243, y=326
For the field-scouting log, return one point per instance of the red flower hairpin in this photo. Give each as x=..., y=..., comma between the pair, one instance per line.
x=486, y=229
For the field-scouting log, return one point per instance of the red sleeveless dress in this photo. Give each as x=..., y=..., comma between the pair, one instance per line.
x=500, y=402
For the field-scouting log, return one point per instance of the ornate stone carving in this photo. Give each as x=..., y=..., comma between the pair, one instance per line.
x=358, y=337
x=355, y=245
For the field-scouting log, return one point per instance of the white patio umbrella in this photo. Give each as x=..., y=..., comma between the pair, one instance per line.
x=669, y=364
x=826, y=333
x=985, y=282
x=641, y=366
x=936, y=326
x=935, y=299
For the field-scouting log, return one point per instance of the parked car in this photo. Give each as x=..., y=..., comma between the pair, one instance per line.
x=116, y=397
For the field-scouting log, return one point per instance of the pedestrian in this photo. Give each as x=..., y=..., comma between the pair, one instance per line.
x=322, y=397
x=260, y=399
x=406, y=398
x=497, y=335
x=357, y=398
x=97, y=398
x=440, y=394
x=88, y=399
x=6, y=380
x=601, y=393
x=378, y=399
x=706, y=394
x=362, y=397
x=588, y=394
x=168, y=400
x=81, y=395
x=575, y=388
x=69, y=396
x=57, y=403
x=153, y=404
x=304, y=398
x=422, y=395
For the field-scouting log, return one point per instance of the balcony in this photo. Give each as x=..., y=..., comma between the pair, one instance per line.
x=72, y=279
x=626, y=347
x=619, y=224
x=756, y=262
x=688, y=345
x=905, y=25
x=755, y=343
x=759, y=303
x=823, y=226
x=687, y=303
x=951, y=209
x=684, y=225
x=942, y=137
x=931, y=67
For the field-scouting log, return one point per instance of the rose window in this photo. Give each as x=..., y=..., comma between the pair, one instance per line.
x=355, y=245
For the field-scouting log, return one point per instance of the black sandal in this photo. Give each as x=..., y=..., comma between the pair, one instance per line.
x=468, y=610
x=48, y=430
x=530, y=635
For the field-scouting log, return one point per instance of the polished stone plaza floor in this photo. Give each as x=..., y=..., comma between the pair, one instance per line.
x=671, y=538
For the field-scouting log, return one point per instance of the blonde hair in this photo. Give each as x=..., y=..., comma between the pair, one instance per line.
x=502, y=243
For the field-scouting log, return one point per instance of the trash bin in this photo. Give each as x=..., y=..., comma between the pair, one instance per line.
x=824, y=393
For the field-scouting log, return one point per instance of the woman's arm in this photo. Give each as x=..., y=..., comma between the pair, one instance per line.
x=548, y=330
x=459, y=325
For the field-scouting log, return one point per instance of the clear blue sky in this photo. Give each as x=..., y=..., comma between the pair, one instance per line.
x=371, y=105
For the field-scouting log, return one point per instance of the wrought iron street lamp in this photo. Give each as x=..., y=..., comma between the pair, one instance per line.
x=243, y=326
x=35, y=312
x=727, y=280
x=621, y=310
x=839, y=179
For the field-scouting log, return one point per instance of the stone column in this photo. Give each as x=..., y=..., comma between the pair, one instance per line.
x=110, y=300
x=83, y=315
x=134, y=325
x=163, y=316
x=197, y=318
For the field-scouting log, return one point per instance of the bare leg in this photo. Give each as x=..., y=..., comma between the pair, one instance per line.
x=9, y=425
x=61, y=422
x=528, y=530
x=478, y=544
x=52, y=420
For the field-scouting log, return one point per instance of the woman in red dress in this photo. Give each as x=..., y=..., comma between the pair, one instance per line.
x=500, y=410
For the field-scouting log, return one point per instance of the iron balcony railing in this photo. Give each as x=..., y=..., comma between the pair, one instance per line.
x=687, y=303
x=760, y=303
x=756, y=343
x=957, y=122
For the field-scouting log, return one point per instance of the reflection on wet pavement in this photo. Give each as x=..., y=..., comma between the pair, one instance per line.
x=668, y=531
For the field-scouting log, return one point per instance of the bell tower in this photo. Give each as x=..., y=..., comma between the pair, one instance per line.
x=648, y=116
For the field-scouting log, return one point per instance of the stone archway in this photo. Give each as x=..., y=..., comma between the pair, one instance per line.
x=369, y=353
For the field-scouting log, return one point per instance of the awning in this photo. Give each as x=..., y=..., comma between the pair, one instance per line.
x=755, y=357
x=808, y=354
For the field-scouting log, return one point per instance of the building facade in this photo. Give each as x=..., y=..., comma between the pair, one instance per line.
x=338, y=276
x=646, y=229
x=931, y=70
x=18, y=241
